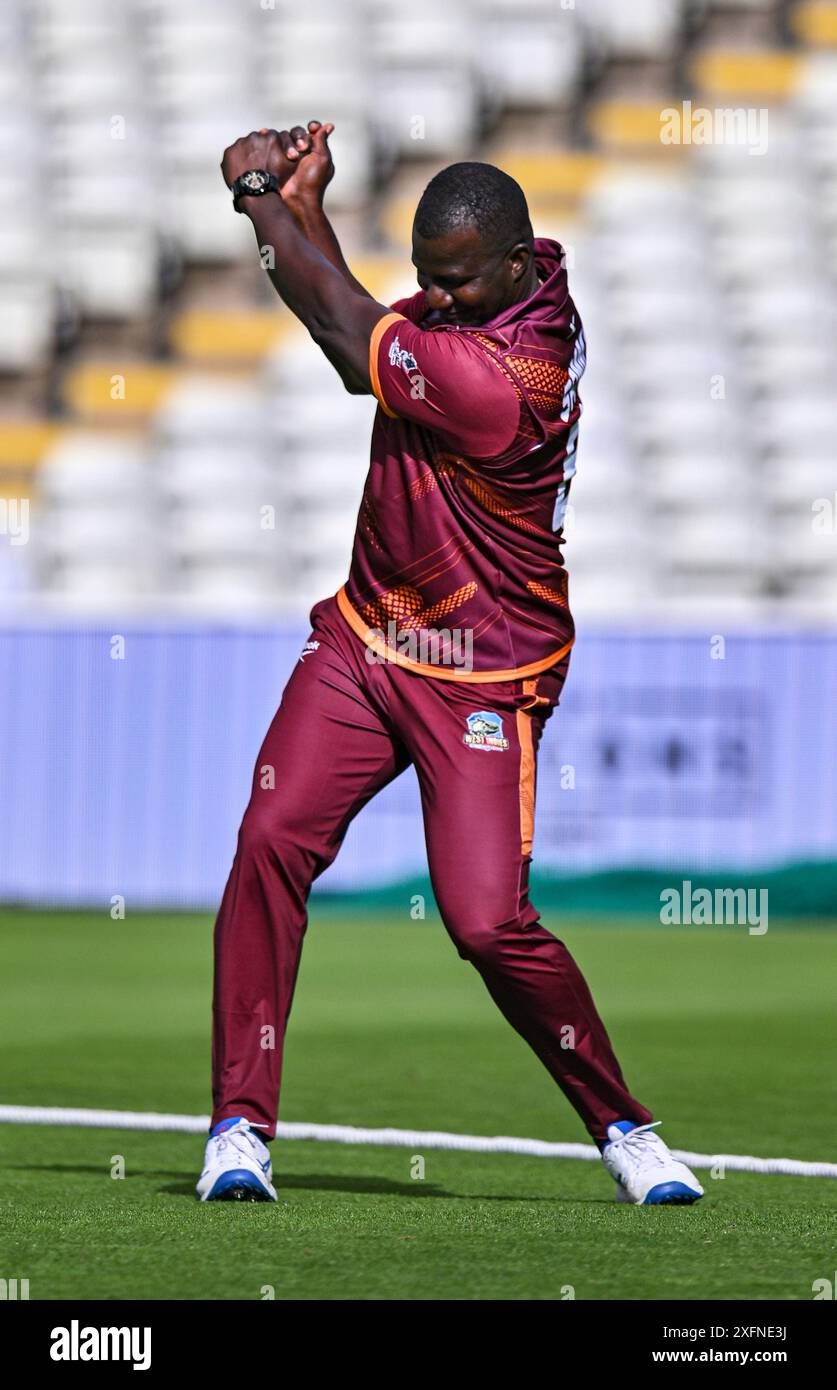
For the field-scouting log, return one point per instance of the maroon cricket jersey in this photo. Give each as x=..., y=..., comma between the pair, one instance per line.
x=473, y=449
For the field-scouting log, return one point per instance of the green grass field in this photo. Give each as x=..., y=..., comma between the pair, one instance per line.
x=728, y=1038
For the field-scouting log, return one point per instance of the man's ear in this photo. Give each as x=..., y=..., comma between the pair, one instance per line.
x=519, y=259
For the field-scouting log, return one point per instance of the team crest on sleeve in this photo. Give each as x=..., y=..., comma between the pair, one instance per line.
x=485, y=730
x=400, y=357
x=309, y=647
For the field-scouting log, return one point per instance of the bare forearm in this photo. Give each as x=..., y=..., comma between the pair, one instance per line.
x=338, y=313
x=312, y=220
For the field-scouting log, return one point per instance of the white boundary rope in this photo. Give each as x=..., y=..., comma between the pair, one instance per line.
x=398, y=1138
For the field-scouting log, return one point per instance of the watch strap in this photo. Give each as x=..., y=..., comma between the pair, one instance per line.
x=240, y=190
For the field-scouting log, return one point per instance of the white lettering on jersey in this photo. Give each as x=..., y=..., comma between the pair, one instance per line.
x=568, y=405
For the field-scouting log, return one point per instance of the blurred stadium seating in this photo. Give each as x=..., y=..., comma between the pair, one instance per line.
x=184, y=445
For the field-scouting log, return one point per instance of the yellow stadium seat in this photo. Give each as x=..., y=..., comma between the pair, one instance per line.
x=815, y=24
x=118, y=391
x=747, y=75
x=23, y=442
x=620, y=125
x=206, y=336
x=550, y=177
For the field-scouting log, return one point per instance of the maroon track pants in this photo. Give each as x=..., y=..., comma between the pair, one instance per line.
x=344, y=729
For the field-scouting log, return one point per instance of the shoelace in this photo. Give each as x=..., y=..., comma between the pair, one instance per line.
x=640, y=1150
x=229, y=1138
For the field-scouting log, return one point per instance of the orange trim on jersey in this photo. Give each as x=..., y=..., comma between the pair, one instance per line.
x=374, y=344
x=380, y=647
x=526, y=786
x=531, y=688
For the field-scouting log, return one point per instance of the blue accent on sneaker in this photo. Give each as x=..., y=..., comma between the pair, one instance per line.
x=225, y=1124
x=238, y=1177
x=624, y=1125
x=671, y=1194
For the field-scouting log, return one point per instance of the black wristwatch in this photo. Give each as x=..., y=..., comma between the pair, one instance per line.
x=253, y=184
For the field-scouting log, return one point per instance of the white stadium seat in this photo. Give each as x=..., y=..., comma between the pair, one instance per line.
x=643, y=29
x=27, y=316
x=110, y=267
x=93, y=467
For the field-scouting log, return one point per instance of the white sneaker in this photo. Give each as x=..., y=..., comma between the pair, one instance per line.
x=236, y=1167
x=645, y=1169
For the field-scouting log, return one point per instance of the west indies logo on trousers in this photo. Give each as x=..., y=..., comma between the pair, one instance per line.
x=485, y=730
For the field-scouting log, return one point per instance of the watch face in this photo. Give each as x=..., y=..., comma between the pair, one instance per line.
x=254, y=180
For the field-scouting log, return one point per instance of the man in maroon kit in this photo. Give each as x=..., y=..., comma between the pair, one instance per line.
x=447, y=647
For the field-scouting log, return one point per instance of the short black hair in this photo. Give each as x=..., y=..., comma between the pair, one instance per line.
x=474, y=195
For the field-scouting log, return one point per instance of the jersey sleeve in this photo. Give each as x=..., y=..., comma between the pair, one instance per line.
x=445, y=382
